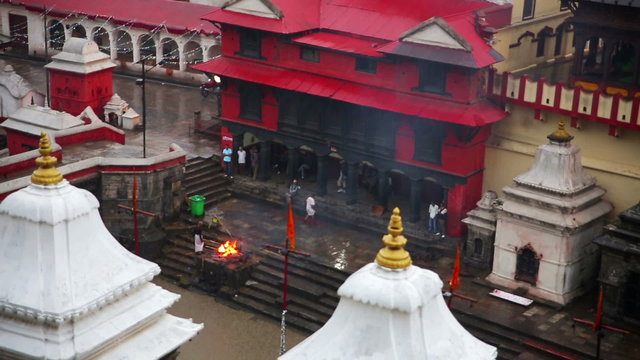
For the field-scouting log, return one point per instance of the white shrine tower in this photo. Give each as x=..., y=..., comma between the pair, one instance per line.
x=546, y=225
x=391, y=309
x=68, y=290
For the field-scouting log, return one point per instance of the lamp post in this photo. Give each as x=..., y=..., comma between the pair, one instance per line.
x=142, y=82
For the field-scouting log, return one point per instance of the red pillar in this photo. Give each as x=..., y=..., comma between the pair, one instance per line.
x=461, y=199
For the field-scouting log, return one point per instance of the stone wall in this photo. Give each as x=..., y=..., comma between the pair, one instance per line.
x=159, y=192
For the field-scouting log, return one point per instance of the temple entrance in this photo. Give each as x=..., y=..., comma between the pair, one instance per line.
x=18, y=26
x=631, y=298
x=527, y=265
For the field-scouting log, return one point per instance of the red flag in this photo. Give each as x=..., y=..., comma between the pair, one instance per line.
x=291, y=229
x=454, y=284
x=598, y=322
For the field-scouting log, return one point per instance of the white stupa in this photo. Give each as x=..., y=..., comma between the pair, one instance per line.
x=391, y=309
x=68, y=290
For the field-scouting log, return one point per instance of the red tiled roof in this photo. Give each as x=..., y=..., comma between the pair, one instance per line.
x=340, y=43
x=478, y=114
x=176, y=16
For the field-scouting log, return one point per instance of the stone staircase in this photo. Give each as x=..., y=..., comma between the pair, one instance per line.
x=312, y=296
x=205, y=177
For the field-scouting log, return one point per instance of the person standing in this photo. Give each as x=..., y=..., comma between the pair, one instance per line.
x=442, y=219
x=433, y=213
x=226, y=153
x=342, y=179
x=254, y=161
x=311, y=210
x=242, y=160
x=293, y=189
x=198, y=240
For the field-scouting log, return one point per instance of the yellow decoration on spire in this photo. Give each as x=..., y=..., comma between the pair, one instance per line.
x=46, y=173
x=560, y=135
x=394, y=256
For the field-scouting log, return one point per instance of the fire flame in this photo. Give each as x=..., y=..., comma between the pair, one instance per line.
x=228, y=248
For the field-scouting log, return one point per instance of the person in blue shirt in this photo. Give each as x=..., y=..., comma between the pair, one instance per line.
x=226, y=153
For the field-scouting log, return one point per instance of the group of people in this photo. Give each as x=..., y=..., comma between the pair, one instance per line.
x=437, y=218
x=241, y=156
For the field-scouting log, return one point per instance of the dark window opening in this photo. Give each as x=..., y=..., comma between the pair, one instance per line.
x=528, y=9
x=527, y=265
x=250, y=103
x=366, y=65
x=309, y=54
x=428, y=141
x=477, y=246
x=433, y=78
x=541, y=42
x=631, y=298
x=250, y=43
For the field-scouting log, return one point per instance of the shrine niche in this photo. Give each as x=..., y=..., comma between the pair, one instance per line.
x=527, y=264
x=481, y=231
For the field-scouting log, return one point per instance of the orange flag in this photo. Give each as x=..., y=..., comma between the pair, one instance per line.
x=291, y=229
x=598, y=322
x=454, y=284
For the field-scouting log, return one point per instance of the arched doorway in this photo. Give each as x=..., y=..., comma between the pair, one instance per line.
x=147, y=49
x=170, y=53
x=101, y=37
x=213, y=51
x=192, y=54
x=527, y=265
x=78, y=31
x=124, y=46
x=56, y=35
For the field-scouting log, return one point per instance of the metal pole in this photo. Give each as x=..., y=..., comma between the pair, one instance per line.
x=283, y=325
x=144, y=111
x=136, y=236
x=46, y=57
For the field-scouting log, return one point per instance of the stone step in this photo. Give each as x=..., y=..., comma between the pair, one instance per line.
x=199, y=163
x=204, y=180
x=275, y=313
x=325, y=276
x=323, y=311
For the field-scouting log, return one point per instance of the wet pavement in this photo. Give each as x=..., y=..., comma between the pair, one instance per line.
x=170, y=120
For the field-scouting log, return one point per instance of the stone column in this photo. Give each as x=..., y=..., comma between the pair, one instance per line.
x=383, y=189
x=352, y=184
x=182, y=61
x=265, y=160
x=415, y=200
x=135, y=46
x=292, y=161
x=323, y=163
x=113, y=45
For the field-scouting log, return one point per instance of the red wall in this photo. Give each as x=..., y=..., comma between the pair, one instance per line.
x=25, y=164
x=456, y=157
x=462, y=199
x=231, y=107
x=73, y=92
x=16, y=139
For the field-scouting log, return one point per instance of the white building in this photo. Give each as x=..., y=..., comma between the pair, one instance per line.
x=391, y=309
x=68, y=290
x=16, y=92
x=545, y=228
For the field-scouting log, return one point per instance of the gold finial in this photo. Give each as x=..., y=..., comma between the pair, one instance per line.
x=560, y=135
x=46, y=173
x=394, y=256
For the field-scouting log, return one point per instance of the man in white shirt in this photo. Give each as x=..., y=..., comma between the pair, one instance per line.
x=311, y=210
x=242, y=160
x=433, y=213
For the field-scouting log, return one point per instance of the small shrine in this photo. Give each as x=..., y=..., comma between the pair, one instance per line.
x=118, y=113
x=548, y=220
x=81, y=75
x=481, y=231
x=391, y=309
x=620, y=266
x=16, y=92
x=68, y=289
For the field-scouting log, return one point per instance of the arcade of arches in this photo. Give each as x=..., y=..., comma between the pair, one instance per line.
x=324, y=173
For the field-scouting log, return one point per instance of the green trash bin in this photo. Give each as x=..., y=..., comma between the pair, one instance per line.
x=197, y=205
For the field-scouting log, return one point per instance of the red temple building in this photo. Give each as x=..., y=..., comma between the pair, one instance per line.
x=393, y=89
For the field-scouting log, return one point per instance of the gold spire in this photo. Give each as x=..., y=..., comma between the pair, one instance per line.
x=46, y=173
x=394, y=256
x=560, y=135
